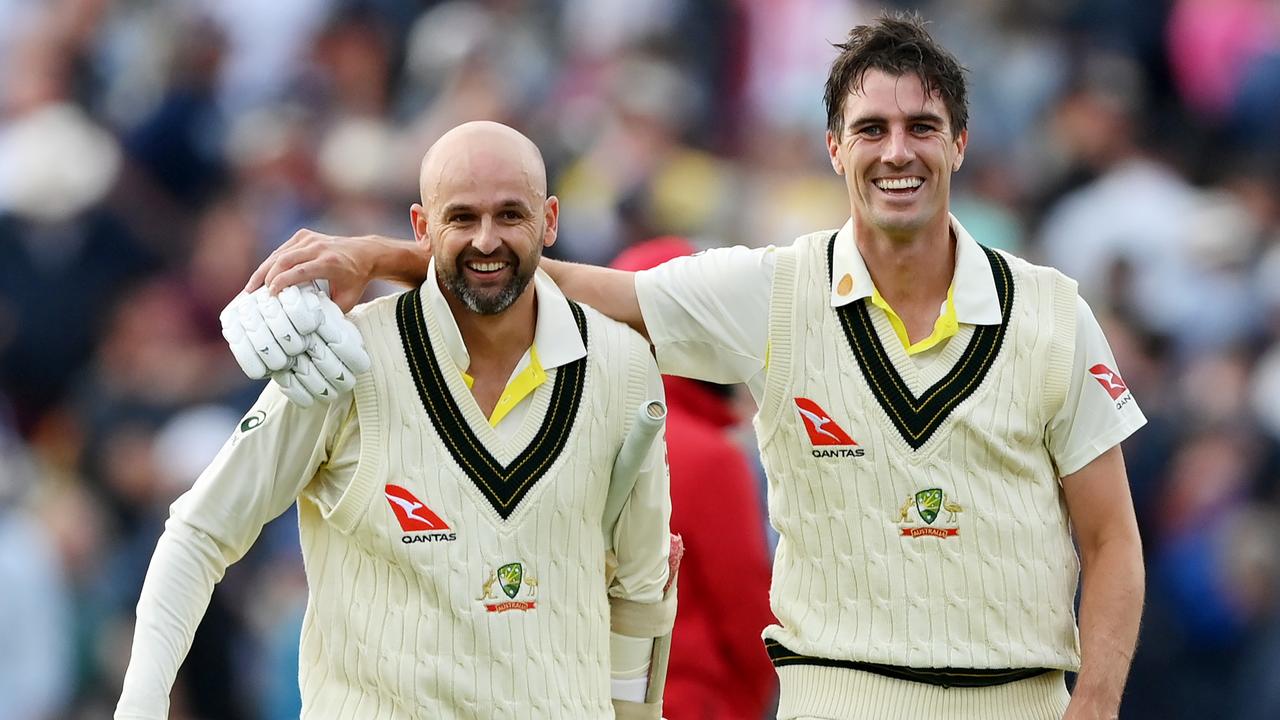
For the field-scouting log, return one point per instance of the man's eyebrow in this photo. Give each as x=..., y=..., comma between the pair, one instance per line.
x=925, y=117
x=879, y=120
x=517, y=204
x=510, y=203
x=454, y=207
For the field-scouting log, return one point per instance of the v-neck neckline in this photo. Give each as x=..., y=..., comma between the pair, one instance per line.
x=918, y=414
x=465, y=431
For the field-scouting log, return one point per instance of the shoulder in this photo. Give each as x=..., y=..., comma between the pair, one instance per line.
x=814, y=243
x=377, y=310
x=810, y=251
x=1023, y=268
x=709, y=267
x=819, y=238
x=610, y=336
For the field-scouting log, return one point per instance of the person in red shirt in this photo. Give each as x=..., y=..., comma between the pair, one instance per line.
x=718, y=668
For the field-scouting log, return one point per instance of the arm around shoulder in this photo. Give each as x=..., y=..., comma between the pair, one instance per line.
x=348, y=263
x=612, y=292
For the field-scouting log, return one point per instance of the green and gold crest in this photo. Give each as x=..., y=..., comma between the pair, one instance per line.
x=928, y=503
x=509, y=578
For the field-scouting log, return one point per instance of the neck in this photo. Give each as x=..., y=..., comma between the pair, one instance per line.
x=910, y=269
x=496, y=341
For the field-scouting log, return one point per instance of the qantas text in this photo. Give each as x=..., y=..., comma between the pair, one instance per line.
x=839, y=452
x=430, y=537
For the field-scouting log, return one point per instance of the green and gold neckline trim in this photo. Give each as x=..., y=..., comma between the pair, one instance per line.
x=917, y=418
x=503, y=486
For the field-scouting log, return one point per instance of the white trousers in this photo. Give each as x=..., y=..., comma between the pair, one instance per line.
x=810, y=692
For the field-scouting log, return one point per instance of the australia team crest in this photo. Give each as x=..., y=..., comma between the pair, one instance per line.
x=509, y=587
x=929, y=513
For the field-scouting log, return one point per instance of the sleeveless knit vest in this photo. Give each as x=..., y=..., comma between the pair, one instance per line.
x=462, y=575
x=920, y=516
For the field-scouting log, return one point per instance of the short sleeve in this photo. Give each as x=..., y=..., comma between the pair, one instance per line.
x=708, y=315
x=1099, y=411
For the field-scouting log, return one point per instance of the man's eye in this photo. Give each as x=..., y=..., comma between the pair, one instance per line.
x=871, y=131
x=922, y=128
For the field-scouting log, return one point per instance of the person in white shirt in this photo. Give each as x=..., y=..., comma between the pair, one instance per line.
x=937, y=420
x=452, y=505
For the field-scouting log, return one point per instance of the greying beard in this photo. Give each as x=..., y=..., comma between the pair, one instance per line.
x=452, y=279
x=482, y=304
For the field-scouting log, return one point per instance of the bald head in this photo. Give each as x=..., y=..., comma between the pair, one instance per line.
x=485, y=214
x=478, y=151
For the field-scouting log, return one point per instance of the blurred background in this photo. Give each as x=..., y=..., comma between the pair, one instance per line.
x=152, y=153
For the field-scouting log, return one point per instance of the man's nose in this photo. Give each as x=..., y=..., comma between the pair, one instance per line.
x=897, y=148
x=486, y=239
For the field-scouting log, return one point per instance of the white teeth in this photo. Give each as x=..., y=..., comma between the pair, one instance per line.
x=487, y=267
x=899, y=183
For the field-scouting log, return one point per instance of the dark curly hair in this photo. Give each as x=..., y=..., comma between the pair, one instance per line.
x=897, y=44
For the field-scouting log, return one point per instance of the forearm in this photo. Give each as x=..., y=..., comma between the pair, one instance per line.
x=1110, y=611
x=612, y=292
x=180, y=580
x=255, y=477
x=400, y=261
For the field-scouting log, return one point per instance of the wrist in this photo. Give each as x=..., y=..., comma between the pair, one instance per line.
x=552, y=268
x=1095, y=705
x=393, y=259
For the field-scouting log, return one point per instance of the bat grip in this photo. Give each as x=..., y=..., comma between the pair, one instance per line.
x=630, y=460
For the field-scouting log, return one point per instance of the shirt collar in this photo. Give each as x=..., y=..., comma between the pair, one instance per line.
x=556, y=335
x=974, y=286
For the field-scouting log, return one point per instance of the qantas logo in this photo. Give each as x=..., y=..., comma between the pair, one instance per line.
x=1110, y=380
x=823, y=431
x=415, y=517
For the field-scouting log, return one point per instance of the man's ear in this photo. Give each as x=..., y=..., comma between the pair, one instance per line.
x=962, y=141
x=833, y=148
x=551, y=215
x=418, y=219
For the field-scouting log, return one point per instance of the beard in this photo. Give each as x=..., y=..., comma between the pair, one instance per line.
x=488, y=301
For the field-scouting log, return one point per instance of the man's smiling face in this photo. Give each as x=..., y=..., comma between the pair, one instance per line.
x=896, y=151
x=485, y=215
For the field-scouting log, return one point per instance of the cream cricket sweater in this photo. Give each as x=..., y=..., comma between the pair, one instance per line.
x=493, y=617
x=920, y=517
x=453, y=573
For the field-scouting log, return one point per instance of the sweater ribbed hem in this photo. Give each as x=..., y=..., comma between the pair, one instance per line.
x=809, y=691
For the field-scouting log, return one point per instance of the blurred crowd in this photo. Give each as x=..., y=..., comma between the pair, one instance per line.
x=151, y=153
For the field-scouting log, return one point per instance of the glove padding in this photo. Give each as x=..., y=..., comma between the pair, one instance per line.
x=292, y=388
x=252, y=340
x=300, y=339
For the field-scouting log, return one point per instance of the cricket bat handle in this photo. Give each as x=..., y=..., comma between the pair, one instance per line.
x=631, y=457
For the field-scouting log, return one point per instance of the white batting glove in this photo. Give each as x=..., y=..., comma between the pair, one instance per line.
x=292, y=388
x=302, y=304
x=342, y=337
x=241, y=347
x=299, y=339
x=250, y=337
x=327, y=363
x=290, y=339
x=305, y=371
